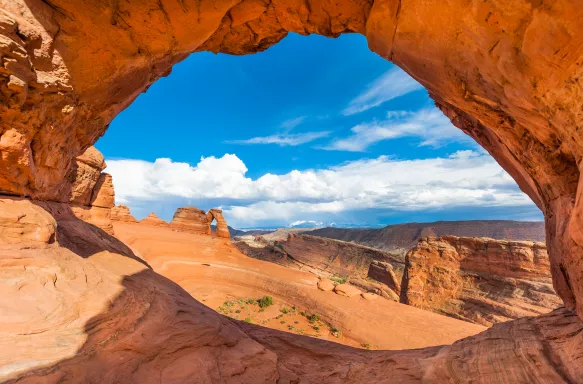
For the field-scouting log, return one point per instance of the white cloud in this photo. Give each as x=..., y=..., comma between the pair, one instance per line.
x=284, y=139
x=392, y=84
x=429, y=124
x=292, y=123
x=464, y=179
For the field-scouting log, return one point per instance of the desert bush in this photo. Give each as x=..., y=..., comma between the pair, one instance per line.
x=339, y=279
x=265, y=301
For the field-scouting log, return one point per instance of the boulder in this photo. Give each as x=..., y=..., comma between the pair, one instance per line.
x=22, y=222
x=369, y=296
x=347, y=290
x=383, y=272
x=325, y=285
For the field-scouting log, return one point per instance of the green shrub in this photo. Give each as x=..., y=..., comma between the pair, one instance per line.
x=265, y=301
x=251, y=301
x=248, y=320
x=339, y=279
x=367, y=346
x=285, y=310
x=313, y=318
x=316, y=328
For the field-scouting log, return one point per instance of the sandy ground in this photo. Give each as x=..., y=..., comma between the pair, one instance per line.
x=224, y=279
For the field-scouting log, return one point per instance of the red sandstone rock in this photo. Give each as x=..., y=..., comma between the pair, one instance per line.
x=22, y=221
x=507, y=81
x=480, y=280
x=369, y=296
x=191, y=219
x=506, y=73
x=346, y=290
x=103, y=194
x=325, y=285
x=383, y=272
x=222, y=230
x=122, y=213
x=324, y=256
x=86, y=172
x=153, y=219
x=198, y=221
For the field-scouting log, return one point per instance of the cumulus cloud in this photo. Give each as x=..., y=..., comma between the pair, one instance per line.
x=431, y=126
x=392, y=84
x=464, y=179
x=284, y=139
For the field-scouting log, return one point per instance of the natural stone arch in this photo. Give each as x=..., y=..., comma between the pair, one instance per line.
x=506, y=73
x=222, y=230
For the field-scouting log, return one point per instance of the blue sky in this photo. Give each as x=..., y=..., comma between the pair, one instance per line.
x=312, y=129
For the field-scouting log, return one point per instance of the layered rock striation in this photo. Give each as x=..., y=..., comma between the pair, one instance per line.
x=481, y=280
x=122, y=214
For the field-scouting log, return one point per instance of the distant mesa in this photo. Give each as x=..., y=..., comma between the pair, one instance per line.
x=192, y=219
x=153, y=219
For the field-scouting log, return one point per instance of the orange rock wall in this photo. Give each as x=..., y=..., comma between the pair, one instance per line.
x=482, y=280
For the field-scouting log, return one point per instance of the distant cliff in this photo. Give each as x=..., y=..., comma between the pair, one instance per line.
x=400, y=238
x=481, y=280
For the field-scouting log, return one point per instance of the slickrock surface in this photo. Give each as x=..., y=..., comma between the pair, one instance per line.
x=213, y=271
x=153, y=219
x=480, y=280
x=122, y=213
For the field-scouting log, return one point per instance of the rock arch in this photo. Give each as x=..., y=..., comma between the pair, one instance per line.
x=222, y=228
x=509, y=74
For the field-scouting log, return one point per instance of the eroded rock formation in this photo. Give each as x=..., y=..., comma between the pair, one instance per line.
x=153, y=219
x=506, y=73
x=122, y=213
x=221, y=228
x=323, y=256
x=198, y=221
x=485, y=281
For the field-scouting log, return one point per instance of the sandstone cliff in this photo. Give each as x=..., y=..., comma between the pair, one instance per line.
x=198, y=221
x=482, y=280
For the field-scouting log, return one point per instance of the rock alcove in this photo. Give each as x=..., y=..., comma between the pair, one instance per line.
x=507, y=73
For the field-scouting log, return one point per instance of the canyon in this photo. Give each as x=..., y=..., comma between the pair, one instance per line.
x=475, y=279
x=79, y=305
